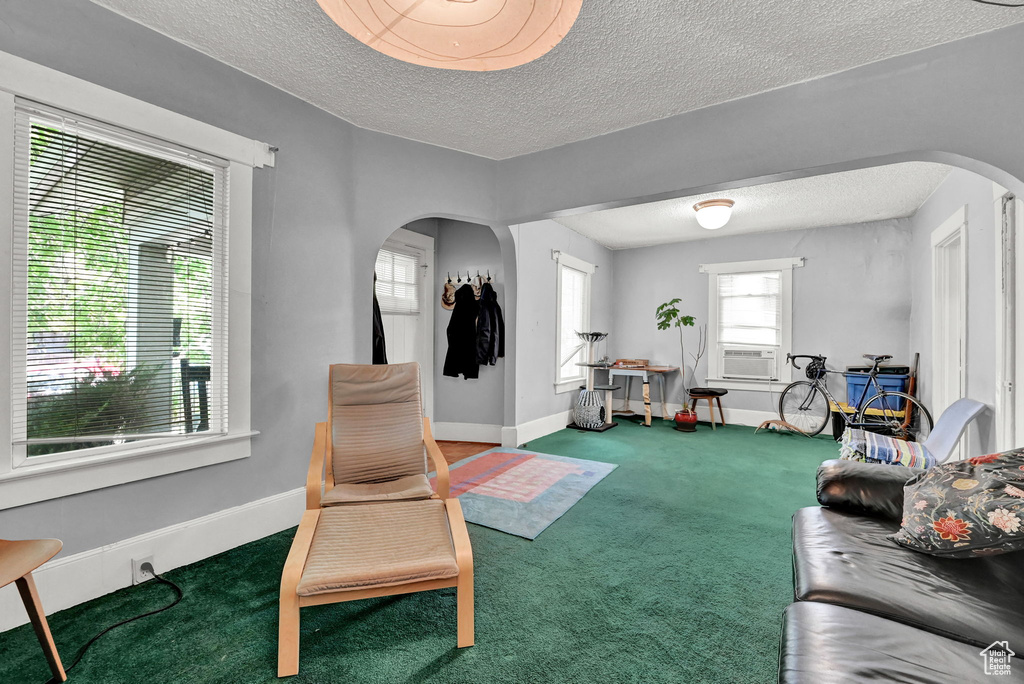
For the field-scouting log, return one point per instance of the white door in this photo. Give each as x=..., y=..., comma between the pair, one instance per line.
x=405, y=292
x=949, y=313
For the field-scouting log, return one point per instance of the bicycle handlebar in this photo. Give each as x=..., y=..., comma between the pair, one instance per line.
x=791, y=358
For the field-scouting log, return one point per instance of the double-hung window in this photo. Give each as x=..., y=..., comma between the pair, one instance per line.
x=572, y=315
x=750, y=314
x=116, y=328
x=398, y=280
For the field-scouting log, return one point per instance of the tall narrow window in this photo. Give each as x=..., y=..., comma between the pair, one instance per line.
x=120, y=297
x=572, y=316
x=398, y=281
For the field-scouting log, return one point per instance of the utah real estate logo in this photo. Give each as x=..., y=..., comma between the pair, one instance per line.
x=997, y=658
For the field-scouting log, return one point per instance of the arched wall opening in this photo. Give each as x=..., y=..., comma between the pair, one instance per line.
x=467, y=368
x=867, y=286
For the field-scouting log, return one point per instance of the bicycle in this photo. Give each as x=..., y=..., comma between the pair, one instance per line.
x=807, y=404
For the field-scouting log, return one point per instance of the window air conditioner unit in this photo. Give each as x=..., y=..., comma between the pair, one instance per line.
x=750, y=363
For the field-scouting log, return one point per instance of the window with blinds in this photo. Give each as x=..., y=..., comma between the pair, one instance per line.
x=750, y=308
x=399, y=281
x=120, y=292
x=574, y=316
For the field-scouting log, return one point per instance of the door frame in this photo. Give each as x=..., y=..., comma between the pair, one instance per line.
x=406, y=238
x=1009, y=226
x=951, y=230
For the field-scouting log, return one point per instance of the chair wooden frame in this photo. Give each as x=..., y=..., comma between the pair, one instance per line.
x=17, y=561
x=320, y=480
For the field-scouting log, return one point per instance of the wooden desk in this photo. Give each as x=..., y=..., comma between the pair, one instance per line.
x=644, y=372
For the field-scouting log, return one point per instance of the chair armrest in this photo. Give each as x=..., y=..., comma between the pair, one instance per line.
x=315, y=476
x=873, y=489
x=296, y=560
x=460, y=535
x=440, y=464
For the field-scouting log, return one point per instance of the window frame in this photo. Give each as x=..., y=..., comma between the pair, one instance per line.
x=27, y=481
x=785, y=266
x=563, y=260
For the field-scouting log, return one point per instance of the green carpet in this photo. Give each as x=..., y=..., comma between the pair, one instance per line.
x=674, y=568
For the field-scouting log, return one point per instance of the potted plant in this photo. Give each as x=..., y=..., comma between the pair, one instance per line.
x=669, y=316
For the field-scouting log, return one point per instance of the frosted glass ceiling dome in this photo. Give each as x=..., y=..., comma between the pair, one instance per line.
x=471, y=35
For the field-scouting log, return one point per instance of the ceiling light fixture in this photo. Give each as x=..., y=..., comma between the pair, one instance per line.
x=713, y=213
x=470, y=35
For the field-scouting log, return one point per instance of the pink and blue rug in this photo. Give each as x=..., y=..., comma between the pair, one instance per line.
x=522, y=492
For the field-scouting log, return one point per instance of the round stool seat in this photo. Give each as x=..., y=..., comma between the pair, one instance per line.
x=708, y=392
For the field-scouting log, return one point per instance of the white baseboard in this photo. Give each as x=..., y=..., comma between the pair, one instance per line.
x=467, y=432
x=733, y=416
x=67, y=581
x=535, y=429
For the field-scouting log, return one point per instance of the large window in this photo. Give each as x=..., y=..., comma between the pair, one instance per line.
x=750, y=321
x=119, y=271
x=115, y=359
x=572, y=316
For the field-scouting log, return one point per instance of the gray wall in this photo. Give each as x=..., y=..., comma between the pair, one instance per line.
x=535, y=360
x=461, y=246
x=961, y=188
x=851, y=297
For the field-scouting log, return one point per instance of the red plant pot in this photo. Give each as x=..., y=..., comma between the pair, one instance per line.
x=686, y=420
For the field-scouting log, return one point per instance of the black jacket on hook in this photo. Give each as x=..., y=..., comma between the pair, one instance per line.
x=461, y=357
x=490, y=328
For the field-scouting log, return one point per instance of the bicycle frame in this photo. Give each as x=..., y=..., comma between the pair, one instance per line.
x=820, y=384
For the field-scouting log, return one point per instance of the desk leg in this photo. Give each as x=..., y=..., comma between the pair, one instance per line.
x=664, y=400
x=647, y=402
x=608, y=407
x=629, y=386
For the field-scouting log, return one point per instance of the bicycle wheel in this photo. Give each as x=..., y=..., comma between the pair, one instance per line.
x=804, y=406
x=886, y=413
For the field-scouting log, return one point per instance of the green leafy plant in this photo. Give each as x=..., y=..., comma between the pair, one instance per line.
x=99, y=404
x=669, y=316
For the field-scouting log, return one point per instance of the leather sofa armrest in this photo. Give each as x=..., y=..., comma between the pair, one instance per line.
x=871, y=489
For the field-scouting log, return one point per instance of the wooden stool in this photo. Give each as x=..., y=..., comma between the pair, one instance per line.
x=17, y=561
x=713, y=395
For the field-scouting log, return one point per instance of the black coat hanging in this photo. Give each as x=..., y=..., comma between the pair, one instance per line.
x=461, y=356
x=490, y=328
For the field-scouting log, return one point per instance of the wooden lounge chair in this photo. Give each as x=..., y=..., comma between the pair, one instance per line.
x=370, y=542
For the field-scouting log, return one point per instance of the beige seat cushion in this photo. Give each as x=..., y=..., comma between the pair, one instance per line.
x=402, y=489
x=378, y=545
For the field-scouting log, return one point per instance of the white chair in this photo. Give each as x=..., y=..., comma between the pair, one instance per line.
x=943, y=438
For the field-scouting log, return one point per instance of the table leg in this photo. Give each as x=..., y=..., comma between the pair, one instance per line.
x=664, y=401
x=608, y=407
x=647, y=402
x=629, y=386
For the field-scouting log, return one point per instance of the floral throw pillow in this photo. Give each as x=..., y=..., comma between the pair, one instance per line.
x=966, y=509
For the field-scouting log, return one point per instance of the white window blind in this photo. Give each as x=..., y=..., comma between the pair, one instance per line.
x=750, y=308
x=120, y=287
x=399, y=281
x=574, y=302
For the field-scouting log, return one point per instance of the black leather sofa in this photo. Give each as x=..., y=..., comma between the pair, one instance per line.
x=867, y=610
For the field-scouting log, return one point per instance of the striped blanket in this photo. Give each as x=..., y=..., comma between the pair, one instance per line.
x=869, y=447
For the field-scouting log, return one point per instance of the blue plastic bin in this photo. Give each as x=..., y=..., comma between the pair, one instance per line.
x=855, y=383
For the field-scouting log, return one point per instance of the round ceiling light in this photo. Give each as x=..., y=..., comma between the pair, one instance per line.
x=471, y=35
x=713, y=213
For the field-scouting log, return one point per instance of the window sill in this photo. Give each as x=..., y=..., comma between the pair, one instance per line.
x=569, y=385
x=32, y=483
x=747, y=385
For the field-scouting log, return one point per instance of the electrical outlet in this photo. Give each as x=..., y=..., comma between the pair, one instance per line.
x=138, y=574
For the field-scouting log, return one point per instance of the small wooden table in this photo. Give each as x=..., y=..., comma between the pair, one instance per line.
x=644, y=372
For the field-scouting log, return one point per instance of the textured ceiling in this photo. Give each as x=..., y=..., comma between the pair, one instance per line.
x=836, y=199
x=622, y=64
